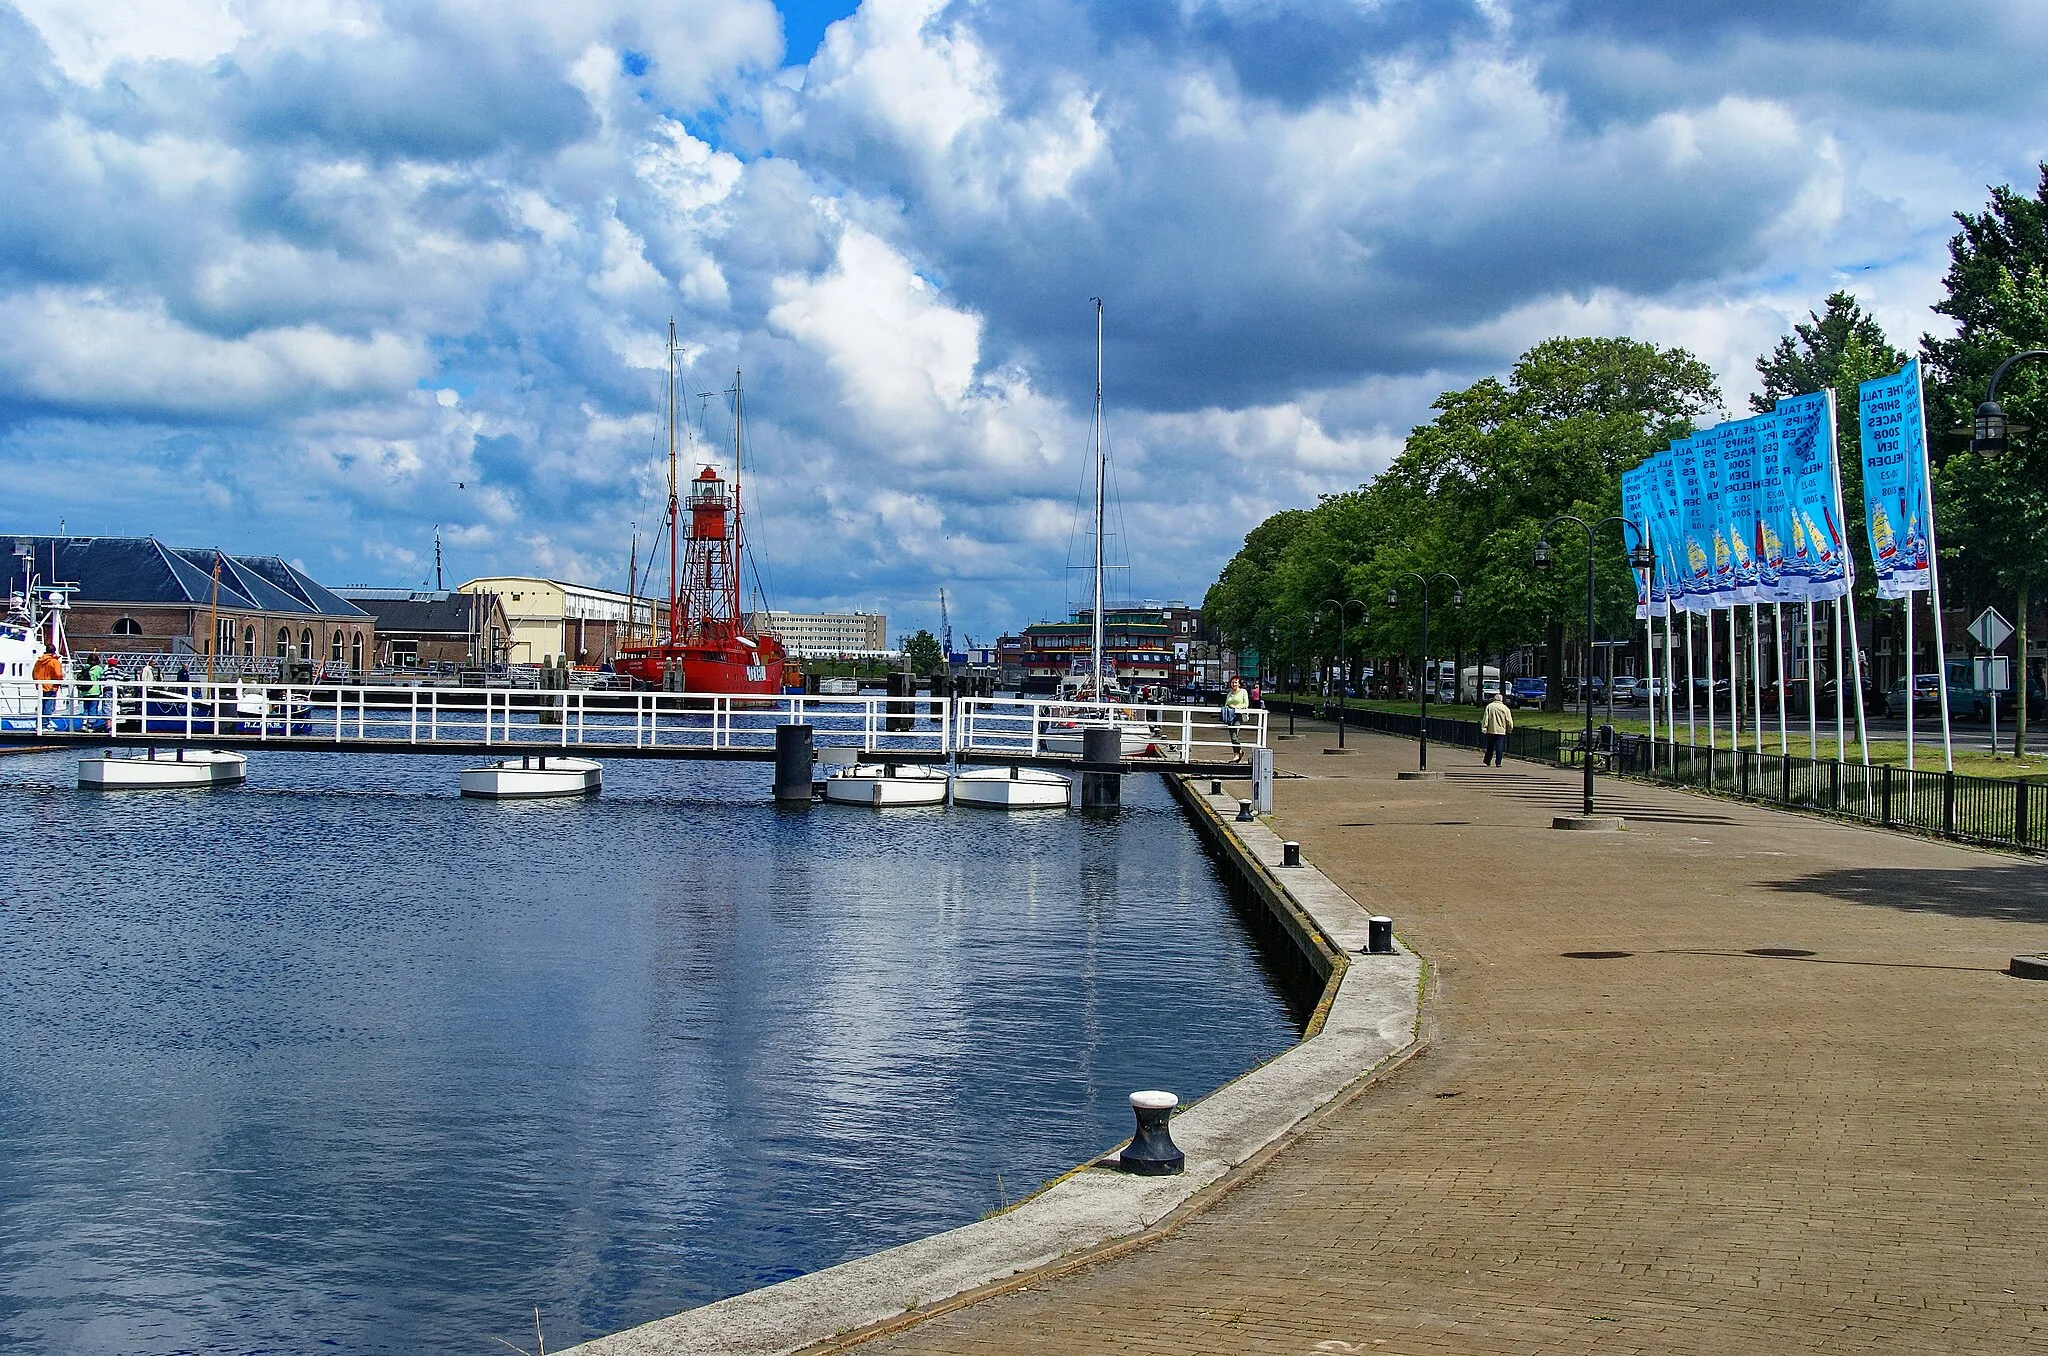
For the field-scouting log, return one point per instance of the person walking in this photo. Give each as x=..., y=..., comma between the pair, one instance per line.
x=1495, y=723
x=95, y=691
x=1236, y=702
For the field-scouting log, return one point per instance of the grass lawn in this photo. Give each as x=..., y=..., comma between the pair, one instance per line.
x=1926, y=756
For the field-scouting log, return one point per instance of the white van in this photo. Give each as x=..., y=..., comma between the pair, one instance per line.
x=1478, y=684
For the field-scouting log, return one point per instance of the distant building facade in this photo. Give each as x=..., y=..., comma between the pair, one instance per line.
x=1148, y=645
x=862, y=635
x=436, y=629
x=547, y=618
x=250, y=614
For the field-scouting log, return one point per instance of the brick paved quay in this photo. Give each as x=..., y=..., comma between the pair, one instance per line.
x=1666, y=1142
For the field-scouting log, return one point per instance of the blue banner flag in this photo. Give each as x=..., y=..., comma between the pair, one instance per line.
x=1713, y=516
x=1898, y=512
x=1741, y=495
x=1635, y=508
x=1773, y=512
x=1668, y=530
x=1816, y=566
x=1695, y=527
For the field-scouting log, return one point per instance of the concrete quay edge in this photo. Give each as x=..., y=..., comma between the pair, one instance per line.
x=1369, y=1017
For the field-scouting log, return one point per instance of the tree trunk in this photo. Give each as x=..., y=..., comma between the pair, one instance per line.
x=2019, y=700
x=1553, y=639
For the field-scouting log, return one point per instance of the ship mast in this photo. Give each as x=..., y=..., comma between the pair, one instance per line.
x=1101, y=469
x=672, y=504
x=738, y=516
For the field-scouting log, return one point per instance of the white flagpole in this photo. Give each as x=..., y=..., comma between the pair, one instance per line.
x=1692, y=729
x=1670, y=711
x=1910, y=694
x=1756, y=673
x=1856, y=670
x=1849, y=592
x=1812, y=690
x=1650, y=666
x=1784, y=698
x=1734, y=682
x=1948, y=752
x=1710, y=680
x=1841, y=687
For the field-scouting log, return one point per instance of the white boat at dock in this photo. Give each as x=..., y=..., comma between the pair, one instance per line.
x=884, y=785
x=533, y=777
x=1012, y=788
x=1065, y=736
x=162, y=769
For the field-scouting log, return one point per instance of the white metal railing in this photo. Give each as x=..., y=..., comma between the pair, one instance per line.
x=593, y=721
x=1177, y=734
x=518, y=719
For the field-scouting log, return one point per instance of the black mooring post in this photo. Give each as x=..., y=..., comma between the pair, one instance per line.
x=1102, y=747
x=792, y=765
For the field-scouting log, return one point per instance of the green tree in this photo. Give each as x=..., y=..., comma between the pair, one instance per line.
x=1994, y=525
x=921, y=652
x=1837, y=349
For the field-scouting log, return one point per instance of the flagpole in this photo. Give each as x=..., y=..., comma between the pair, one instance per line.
x=1670, y=711
x=1812, y=690
x=1778, y=644
x=1909, y=680
x=1756, y=672
x=1710, y=687
x=1734, y=683
x=1692, y=728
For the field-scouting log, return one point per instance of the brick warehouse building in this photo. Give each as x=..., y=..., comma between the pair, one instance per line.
x=134, y=595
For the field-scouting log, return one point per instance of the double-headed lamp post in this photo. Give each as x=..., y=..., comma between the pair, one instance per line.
x=1638, y=559
x=1343, y=611
x=1457, y=600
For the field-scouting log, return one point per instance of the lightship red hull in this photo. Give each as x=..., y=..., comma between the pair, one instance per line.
x=709, y=669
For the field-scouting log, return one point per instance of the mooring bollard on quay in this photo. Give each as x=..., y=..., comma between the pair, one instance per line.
x=1103, y=748
x=1152, y=1152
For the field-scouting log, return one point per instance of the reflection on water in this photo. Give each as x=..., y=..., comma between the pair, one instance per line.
x=341, y=1060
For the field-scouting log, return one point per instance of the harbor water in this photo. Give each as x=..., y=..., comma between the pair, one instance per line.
x=339, y=1061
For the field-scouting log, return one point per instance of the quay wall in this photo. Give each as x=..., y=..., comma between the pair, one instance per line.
x=1368, y=1020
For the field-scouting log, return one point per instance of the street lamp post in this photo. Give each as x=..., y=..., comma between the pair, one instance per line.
x=1991, y=429
x=1343, y=612
x=1639, y=559
x=1457, y=600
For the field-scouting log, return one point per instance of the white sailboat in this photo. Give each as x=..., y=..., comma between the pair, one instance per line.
x=1094, y=712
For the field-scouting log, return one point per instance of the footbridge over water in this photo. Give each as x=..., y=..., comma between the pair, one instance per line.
x=383, y=718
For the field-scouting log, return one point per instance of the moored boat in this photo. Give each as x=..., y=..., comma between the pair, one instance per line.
x=1012, y=788
x=1065, y=736
x=533, y=777
x=161, y=770
x=708, y=646
x=883, y=785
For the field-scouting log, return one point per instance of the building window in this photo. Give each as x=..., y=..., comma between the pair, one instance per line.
x=306, y=644
x=355, y=651
x=334, y=646
x=249, y=641
x=224, y=636
x=284, y=642
x=127, y=626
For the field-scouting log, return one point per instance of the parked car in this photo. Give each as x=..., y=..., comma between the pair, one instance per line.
x=1528, y=692
x=1965, y=701
x=1630, y=691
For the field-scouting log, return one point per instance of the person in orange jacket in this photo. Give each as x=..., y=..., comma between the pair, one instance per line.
x=49, y=672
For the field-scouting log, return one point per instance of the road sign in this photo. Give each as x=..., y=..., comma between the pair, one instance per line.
x=1994, y=673
x=1990, y=630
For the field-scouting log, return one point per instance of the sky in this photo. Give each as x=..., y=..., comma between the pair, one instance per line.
x=311, y=277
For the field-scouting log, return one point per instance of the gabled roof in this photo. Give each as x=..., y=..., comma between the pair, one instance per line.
x=144, y=570
x=435, y=613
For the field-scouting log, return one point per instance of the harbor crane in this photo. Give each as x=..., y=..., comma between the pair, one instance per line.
x=945, y=626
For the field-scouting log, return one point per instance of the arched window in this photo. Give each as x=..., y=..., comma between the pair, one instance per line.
x=306, y=644
x=249, y=641
x=127, y=626
x=355, y=651
x=284, y=642
x=334, y=646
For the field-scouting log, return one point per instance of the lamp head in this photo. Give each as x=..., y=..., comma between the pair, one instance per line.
x=1458, y=598
x=1393, y=598
x=1640, y=558
x=1542, y=554
x=1990, y=433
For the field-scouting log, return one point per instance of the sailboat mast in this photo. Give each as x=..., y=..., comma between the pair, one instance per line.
x=1101, y=471
x=672, y=506
x=738, y=516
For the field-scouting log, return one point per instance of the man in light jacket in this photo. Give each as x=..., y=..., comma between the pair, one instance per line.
x=1495, y=723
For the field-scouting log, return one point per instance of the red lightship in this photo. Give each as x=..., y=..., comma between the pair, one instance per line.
x=708, y=648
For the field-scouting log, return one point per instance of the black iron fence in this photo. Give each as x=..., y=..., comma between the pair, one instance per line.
x=2002, y=812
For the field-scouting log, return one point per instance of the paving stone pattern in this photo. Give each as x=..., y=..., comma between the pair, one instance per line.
x=1665, y=1142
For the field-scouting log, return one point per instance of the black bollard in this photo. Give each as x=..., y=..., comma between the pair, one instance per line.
x=900, y=715
x=1379, y=935
x=1215, y=786
x=1244, y=812
x=1152, y=1152
x=1290, y=854
x=1103, y=747
x=792, y=765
